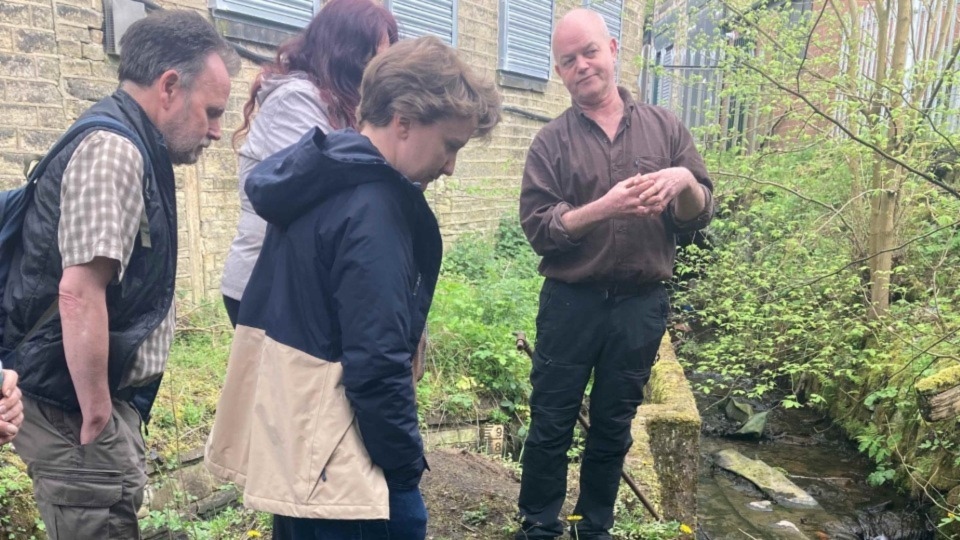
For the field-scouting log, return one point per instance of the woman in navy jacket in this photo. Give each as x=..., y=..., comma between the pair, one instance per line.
x=318, y=418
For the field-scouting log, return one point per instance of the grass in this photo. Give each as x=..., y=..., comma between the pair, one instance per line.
x=182, y=416
x=474, y=329
x=184, y=410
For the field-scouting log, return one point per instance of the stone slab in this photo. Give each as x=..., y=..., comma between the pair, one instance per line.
x=770, y=481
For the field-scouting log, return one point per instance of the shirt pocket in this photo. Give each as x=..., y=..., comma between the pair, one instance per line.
x=646, y=164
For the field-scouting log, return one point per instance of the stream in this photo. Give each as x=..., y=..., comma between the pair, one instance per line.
x=818, y=459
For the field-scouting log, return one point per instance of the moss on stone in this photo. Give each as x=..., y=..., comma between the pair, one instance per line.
x=940, y=381
x=667, y=438
x=16, y=499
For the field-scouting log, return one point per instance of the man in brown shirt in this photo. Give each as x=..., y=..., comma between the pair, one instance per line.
x=606, y=187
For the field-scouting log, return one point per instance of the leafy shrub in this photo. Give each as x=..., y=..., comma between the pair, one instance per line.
x=780, y=303
x=488, y=289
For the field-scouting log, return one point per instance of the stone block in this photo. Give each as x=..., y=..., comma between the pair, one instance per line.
x=32, y=92
x=32, y=140
x=8, y=138
x=672, y=423
x=73, y=108
x=18, y=115
x=11, y=163
x=36, y=41
x=8, y=181
x=42, y=17
x=67, y=32
x=15, y=14
x=6, y=39
x=17, y=65
x=105, y=70
x=51, y=117
x=48, y=69
x=70, y=49
x=79, y=15
x=89, y=89
x=73, y=67
x=92, y=51
x=219, y=162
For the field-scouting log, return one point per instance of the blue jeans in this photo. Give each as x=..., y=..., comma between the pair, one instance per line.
x=408, y=521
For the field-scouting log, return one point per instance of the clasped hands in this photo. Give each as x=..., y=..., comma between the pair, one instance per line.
x=11, y=408
x=646, y=195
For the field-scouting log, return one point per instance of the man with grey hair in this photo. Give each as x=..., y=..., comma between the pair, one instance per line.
x=92, y=287
x=606, y=187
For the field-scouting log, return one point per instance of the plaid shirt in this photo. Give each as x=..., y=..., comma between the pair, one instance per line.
x=101, y=214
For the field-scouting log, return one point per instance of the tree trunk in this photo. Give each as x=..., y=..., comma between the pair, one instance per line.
x=884, y=198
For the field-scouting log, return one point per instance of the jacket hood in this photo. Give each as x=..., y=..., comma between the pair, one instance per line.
x=271, y=83
x=289, y=183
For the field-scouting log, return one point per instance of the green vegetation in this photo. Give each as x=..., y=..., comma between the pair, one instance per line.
x=488, y=289
x=19, y=519
x=832, y=280
x=778, y=304
x=183, y=412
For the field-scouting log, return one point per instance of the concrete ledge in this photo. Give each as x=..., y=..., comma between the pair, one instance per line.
x=665, y=455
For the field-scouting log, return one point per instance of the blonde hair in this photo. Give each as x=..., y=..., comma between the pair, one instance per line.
x=424, y=80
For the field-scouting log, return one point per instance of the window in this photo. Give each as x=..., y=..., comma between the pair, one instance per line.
x=525, y=27
x=293, y=14
x=612, y=13
x=422, y=17
x=665, y=81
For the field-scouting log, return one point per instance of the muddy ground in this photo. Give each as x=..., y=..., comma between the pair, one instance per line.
x=472, y=496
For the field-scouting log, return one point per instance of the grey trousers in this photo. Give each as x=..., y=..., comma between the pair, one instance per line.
x=84, y=492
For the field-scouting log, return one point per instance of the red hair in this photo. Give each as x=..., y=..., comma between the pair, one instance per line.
x=333, y=51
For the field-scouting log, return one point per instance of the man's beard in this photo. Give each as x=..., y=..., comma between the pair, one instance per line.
x=186, y=157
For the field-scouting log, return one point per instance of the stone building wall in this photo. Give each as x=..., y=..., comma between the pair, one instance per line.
x=53, y=66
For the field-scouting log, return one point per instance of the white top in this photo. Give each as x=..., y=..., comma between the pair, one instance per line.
x=290, y=106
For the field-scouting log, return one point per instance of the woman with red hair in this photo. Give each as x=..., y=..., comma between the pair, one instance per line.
x=313, y=82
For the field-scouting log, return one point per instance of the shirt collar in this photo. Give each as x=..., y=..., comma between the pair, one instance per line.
x=629, y=104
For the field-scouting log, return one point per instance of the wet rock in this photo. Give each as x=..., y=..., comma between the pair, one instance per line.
x=784, y=524
x=754, y=426
x=763, y=506
x=737, y=410
x=882, y=523
x=772, y=482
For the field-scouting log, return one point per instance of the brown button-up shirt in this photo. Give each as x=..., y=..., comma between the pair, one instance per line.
x=572, y=162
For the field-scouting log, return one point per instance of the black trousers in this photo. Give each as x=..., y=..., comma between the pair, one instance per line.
x=584, y=330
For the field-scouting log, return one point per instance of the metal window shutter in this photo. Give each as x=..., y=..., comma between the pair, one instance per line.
x=612, y=13
x=293, y=13
x=426, y=17
x=666, y=81
x=525, y=27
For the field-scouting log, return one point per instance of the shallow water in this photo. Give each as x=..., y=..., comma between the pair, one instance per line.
x=816, y=458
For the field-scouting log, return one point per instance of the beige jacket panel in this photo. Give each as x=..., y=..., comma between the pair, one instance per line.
x=285, y=431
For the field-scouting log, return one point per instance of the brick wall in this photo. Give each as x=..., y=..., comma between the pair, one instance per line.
x=53, y=66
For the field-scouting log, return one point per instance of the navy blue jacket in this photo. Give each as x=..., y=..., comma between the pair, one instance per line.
x=347, y=273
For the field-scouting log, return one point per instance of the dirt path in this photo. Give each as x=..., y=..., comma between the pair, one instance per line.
x=469, y=496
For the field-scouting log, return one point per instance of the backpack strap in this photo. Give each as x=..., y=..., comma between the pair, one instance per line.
x=98, y=122
x=94, y=122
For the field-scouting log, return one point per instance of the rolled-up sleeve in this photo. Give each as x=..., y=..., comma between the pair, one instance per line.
x=685, y=154
x=541, y=204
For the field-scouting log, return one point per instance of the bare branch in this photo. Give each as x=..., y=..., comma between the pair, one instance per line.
x=874, y=255
x=928, y=177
